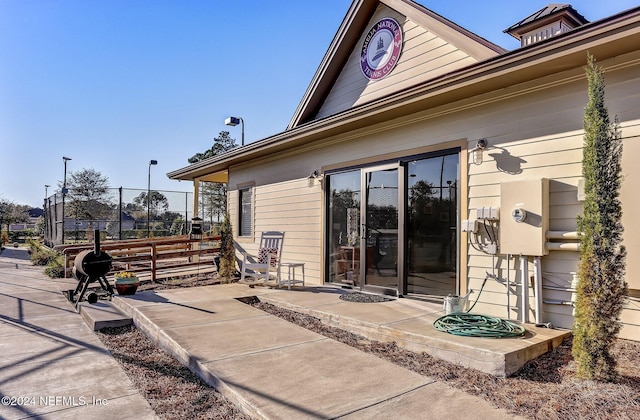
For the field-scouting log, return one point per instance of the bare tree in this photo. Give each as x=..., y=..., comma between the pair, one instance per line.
x=88, y=197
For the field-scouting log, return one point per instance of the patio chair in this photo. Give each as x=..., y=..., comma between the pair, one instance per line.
x=268, y=260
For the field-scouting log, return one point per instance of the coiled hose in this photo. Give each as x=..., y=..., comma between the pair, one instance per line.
x=473, y=325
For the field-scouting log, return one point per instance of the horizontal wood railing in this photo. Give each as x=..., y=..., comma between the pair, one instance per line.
x=154, y=256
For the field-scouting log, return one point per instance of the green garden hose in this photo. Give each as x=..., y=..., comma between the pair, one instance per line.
x=472, y=325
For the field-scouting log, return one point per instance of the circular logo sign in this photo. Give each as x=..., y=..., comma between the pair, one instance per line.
x=381, y=49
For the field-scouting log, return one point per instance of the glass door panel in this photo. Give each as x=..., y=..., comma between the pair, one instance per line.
x=344, y=228
x=432, y=214
x=381, y=236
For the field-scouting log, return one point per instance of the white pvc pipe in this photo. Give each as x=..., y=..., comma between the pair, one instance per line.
x=524, y=283
x=562, y=246
x=537, y=283
x=561, y=234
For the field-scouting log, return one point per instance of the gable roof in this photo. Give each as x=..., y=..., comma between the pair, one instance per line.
x=351, y=30
x=605, y=38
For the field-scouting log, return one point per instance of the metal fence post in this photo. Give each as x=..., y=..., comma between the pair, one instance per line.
x=120, y=215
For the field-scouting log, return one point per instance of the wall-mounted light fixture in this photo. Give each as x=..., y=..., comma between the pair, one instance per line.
x=476, y=152
x=311, y=179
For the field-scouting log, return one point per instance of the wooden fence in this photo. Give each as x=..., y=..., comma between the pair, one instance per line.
x=154, y=257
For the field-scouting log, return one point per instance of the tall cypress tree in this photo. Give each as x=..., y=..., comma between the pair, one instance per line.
x=601, y=287
x=227, y=251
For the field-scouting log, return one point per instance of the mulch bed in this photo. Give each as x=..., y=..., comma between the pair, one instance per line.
x=172, y=390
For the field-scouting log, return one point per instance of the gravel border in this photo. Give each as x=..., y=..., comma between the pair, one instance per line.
x=172, y=390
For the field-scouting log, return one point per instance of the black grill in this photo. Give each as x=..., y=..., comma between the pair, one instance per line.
x=91, y=266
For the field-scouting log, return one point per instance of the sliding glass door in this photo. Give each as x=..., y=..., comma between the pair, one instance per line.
x=380, y=230
x=431, y=220
x=343, y=228
x=393, y=228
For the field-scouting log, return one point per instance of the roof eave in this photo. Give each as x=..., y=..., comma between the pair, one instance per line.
x=600, y=38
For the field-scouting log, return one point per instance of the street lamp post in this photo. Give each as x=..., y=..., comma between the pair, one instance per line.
x=233, y=121
x=64, y=192
x=151, y=162
x=46, y=216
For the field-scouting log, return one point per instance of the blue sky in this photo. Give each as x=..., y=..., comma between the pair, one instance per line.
x=115, y=83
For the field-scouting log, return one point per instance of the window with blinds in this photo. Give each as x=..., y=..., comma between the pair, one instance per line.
x=246, y=216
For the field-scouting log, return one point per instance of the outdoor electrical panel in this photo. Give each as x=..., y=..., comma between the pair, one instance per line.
x=470, y=226
x=525, y=222
x=488, y=213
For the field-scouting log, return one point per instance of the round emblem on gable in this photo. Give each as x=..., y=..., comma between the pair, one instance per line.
x=381, y=49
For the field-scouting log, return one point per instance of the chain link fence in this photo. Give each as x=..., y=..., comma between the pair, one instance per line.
x=122, y=213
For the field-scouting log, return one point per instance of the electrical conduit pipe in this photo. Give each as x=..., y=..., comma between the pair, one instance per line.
x=524, y=281
x=537, y=283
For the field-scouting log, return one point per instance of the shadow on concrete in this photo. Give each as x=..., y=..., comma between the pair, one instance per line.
x=16, y=253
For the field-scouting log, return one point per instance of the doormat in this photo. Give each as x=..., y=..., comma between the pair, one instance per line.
x=364, y=298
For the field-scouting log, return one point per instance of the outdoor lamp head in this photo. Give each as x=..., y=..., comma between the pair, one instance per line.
x=153, y=162
x=232, y=121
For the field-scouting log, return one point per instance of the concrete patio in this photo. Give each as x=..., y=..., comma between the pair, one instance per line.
x=275, y=369
x=268, y=366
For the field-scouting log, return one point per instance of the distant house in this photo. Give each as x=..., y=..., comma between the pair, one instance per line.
x=424, y=161
x=34, y=215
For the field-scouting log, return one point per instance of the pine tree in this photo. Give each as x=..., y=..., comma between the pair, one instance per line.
x=213, y=195
x=601, y=287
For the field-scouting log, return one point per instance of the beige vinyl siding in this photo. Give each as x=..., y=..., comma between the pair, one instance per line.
x=558, y=157
x=630, y=319
x=294, y=208
x=424, y=56
x=533, y=130
x=535, y=136
x=630, y=204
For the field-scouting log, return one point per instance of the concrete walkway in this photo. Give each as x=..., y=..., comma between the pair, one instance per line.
x=277, y=370
x=52, y=365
